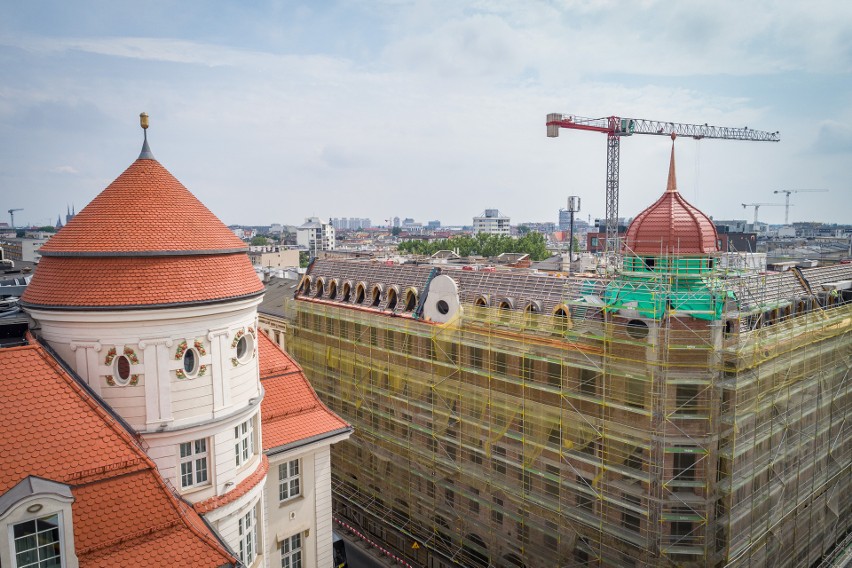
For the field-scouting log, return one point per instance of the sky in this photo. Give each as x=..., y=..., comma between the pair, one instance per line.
x=270, y=112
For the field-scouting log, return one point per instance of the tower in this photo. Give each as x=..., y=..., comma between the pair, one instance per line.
x=152, y=301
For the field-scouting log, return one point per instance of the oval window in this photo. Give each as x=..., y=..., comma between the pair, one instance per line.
x=122, y=369
x=244, y=348
x=442, y=306
x=190, y=362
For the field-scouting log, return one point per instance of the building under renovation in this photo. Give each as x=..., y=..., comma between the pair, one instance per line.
x=678, y=411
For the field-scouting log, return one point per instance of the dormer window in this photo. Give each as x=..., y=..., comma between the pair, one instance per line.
x=36, y=516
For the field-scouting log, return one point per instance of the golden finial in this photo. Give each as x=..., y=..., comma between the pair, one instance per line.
x=143, y=120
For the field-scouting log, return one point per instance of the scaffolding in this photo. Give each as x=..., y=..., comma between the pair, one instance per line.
x=564, y=422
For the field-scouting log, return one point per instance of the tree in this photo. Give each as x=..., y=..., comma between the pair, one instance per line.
x=259, y=241
x=533, y=244
x=47, y=229
x=396, y=231
x=523, y=229
x=304, y=259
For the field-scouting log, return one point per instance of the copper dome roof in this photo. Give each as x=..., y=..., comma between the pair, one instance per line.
x=144, y=241
x=671, y=226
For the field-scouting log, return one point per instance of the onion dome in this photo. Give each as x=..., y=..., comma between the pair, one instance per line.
x=671, y=225
x=143, y=242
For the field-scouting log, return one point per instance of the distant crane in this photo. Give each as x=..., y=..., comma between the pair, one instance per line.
x=615, y=127
x=12, y=215
x=759, y=205
x=787, y=202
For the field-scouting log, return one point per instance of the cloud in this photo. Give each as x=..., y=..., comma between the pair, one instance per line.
x=64, y=170
x=833, y=138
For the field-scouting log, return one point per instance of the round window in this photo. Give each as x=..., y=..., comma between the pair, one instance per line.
x=637, y=329
x=442, y=306
x=190, y=362
x=244, y=348
x=121, y=369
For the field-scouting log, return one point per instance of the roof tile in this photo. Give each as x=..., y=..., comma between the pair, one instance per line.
x=291, y=410
x=124, y=514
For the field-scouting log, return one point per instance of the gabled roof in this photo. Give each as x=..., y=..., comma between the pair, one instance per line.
x=123, y=513
x=671, y=225
x=143, y=242
x=291, y=413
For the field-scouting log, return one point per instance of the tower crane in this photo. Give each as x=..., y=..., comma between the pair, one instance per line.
x=12, y=215
x=615, y=127
x=759, y=205
x=787, y=200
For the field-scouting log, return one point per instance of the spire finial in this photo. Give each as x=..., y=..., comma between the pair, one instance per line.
x=671, y=186
x=146, y=153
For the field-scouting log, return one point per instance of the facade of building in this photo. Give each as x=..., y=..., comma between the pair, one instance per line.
x=274, y=257
x=492, y=223
x=155, y=313
x=315, y=236
x=26, y=249
x=676, y=413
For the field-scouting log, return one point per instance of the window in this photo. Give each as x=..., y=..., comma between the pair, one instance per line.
x=497, y=510
x=289, y=480
x=122, y=370
x=500, y=362
x=193, y=463
x=474, y=501
x=684, y=466
x=245, y=347
x=191, y=362
x=37, y=543
x=244, y=445
x=248, y=537
x=291, y=552
x=498, y=459
x=687, y=399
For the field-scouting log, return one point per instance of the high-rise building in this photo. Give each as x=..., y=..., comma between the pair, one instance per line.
x=679, y=412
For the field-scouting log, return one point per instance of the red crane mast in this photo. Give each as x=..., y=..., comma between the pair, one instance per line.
x=615, y=127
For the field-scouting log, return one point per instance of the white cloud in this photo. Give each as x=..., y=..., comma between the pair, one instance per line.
x=64, y=170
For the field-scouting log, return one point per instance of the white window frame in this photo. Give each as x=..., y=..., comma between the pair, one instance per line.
x=13, y=550
x=289, y=480
x=244, y=442
x=291, y=551
x=195, y=462
x=248, y=536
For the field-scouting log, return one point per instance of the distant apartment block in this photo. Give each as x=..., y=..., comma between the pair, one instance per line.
x=315, y=235
x=492, y=223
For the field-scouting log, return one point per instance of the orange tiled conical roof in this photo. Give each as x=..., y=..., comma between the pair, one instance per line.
x=671, y=225
x=144, y=241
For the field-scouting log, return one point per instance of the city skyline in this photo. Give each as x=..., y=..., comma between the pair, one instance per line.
x=304, y=106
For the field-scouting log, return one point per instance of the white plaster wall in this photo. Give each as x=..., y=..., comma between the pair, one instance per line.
x=301, y=509
x=84, y=340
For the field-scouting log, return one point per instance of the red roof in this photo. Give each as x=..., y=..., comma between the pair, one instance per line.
x=144, y=210
x=140, y=281
x=246, y=485
x=123, y=512
x=291, y=410
x=671, y=225
x=144, y=241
